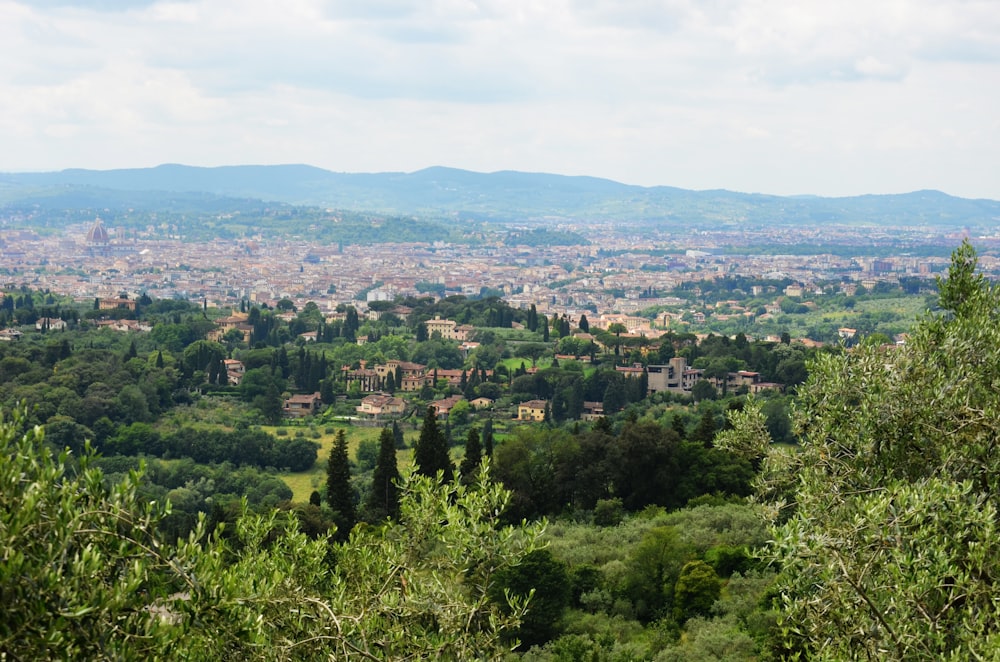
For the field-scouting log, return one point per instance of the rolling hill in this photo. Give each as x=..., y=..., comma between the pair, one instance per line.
x=500, y=196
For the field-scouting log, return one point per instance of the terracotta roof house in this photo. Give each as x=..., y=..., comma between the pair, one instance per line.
x=381, y=404
x=300, y=406
x=448, y=329
x=115, y=303
x=532, y=410
x=234, y=371
x=443, y=407
x=592, y=411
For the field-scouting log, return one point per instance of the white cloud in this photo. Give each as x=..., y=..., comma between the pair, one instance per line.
x=818, y=97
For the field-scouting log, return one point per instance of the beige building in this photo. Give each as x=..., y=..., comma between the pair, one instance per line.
x=381, y=404
x=447, y=329
x=532, y=410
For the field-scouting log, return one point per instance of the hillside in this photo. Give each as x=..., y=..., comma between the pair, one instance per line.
x=498, y=196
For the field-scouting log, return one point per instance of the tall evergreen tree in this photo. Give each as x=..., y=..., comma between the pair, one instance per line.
x=281, y=361
x=558, y=406
x=383, y=500
x=678, y=426
x=488, y=437
x=339, y=494
x=351, y=324
x=584, y=324
x=213, y=372
x=430, y=454
x=706, y=429
x=397, y=435
x=269, y=404
x=614, y=396
x=469, y=467
x=326, y=392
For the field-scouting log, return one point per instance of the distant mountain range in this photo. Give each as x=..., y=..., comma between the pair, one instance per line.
x=500, y=196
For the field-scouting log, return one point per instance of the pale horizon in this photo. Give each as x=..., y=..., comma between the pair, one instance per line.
x=814, y=98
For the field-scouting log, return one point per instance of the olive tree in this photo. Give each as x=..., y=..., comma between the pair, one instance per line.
x=887, y=539
x=84, y=573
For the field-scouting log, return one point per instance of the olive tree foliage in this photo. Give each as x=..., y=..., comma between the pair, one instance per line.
x=78, y=561
x=418, y=589
x=888, y=542
x=84, y=574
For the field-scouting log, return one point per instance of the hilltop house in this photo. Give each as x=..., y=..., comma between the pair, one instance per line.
x=50, y=324
x=224, y=325
x=532, y=410
x=234, y=371
x=442, y=408
x=448, y=329
x=300, y=406
x=378, y=405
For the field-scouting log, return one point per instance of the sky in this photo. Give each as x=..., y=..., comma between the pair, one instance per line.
x=838, y=97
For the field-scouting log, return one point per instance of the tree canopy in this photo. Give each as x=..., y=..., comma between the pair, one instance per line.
x=86, y=575
x=886, y=521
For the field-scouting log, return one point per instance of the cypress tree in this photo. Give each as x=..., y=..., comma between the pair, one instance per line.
x=614, y=397
x=339, y=495
x=383, y=500
x=677, y=425
x=473, y=456
x=705, y=432
x=430, y=454
x=397, y=435
x=488, y=437
x=326, y=392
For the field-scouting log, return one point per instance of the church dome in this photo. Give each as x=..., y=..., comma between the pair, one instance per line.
x=98, y=234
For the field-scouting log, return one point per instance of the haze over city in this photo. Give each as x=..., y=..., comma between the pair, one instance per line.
x=819, y=98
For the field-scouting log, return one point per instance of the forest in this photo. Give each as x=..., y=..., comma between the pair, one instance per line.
x=147, y=510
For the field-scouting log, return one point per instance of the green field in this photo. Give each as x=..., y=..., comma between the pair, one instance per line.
x=887, y=315
x=302, y=483
x=514, y=363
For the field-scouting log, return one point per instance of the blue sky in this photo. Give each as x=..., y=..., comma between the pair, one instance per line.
x=773, y=96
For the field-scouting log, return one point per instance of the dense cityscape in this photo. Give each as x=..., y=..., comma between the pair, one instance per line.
x=613, y=276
